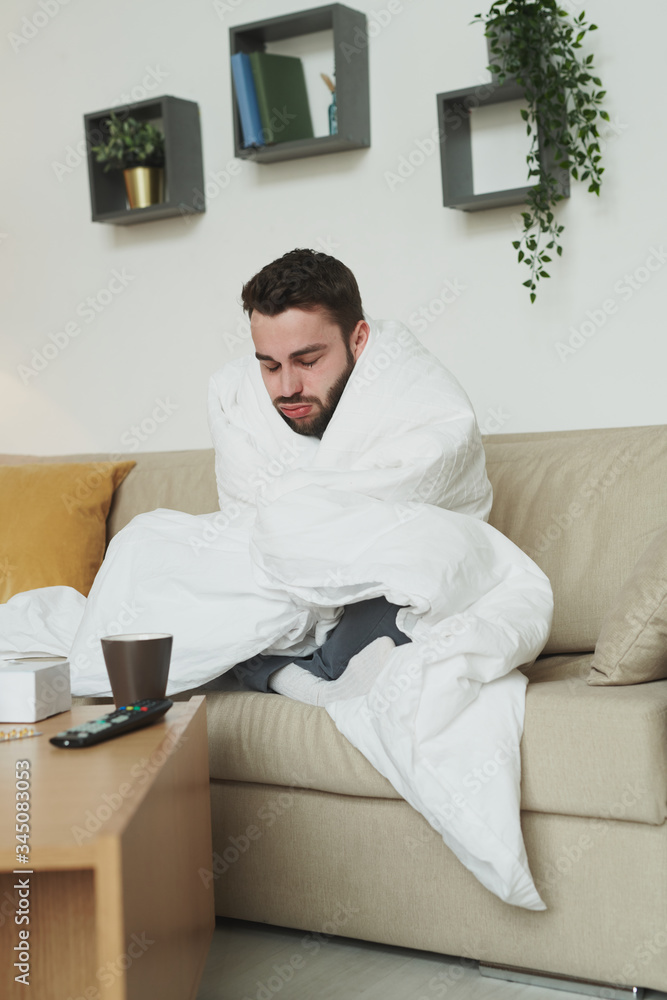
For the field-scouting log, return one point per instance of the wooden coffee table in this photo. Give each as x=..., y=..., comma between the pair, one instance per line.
x=119, y=834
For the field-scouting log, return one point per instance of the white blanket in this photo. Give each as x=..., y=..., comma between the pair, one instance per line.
x=392, y=501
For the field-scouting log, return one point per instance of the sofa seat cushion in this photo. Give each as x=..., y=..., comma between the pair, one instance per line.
x=593, y=751
x=273, y=740
x=586, y=751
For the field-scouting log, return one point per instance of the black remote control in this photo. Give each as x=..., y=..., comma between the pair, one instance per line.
x=123, y=720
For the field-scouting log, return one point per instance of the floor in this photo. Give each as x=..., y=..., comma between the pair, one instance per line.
x=250, y=961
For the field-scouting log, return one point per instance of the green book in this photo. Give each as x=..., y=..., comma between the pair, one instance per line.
x=282, y=97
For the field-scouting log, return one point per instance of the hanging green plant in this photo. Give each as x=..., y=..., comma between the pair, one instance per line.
x=537, y=43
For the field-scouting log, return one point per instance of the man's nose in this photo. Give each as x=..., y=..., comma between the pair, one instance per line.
x=291, y=381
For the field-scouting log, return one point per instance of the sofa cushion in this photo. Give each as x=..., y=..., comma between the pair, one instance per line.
x=53, y=523
x=593, y=751
x=178, y=480
x=583, y=505
x=274, y=740
x=632, y=647
x=596, y=752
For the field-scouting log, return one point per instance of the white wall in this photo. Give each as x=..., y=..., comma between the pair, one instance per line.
x=172, y=324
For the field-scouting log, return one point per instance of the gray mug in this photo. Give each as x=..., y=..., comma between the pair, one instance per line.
x=137, y=665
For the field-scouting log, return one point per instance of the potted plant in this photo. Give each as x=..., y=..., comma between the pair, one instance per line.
x=136, y=148
x=536, y=43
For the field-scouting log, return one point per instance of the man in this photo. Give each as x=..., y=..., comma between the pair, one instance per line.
x=335, y=444
x=351, y=475
x=309, y=332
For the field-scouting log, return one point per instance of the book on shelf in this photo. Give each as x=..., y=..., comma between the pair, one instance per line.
x=246, y=100
x=280, y=86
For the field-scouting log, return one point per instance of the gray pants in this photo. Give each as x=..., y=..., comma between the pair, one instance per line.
x=360, y=624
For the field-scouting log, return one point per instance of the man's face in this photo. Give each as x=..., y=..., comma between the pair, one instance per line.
x=305, y=364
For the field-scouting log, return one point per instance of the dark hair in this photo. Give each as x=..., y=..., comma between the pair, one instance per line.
x=304, y=279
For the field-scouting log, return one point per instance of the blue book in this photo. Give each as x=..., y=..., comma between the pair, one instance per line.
x=246, y=97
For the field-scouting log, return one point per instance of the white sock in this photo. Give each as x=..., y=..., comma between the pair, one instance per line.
x=357, y=678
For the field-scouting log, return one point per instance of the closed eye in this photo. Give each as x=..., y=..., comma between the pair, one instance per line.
x=306, y=364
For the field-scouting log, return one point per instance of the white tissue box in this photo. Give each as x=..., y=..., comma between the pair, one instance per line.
x=32, y=689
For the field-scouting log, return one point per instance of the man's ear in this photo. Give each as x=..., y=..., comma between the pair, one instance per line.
x=359, y=338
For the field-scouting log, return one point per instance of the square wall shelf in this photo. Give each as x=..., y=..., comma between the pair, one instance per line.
x=454, y=110
x=350, y=37
x=184, y=171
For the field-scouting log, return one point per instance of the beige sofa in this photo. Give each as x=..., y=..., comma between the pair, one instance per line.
x=307, y=834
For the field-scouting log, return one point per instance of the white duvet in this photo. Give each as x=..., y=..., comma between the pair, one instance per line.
x=392, y=501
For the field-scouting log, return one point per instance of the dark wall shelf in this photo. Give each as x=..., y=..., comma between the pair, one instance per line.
x=351, y=68
x=454, y=110
x=184, y=170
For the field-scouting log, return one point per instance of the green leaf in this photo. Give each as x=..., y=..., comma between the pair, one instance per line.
x=533, y=296
x=559, y=251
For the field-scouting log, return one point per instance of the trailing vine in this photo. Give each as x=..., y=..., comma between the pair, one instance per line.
x=537, y=43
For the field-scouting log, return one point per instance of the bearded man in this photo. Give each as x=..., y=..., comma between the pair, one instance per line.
x=349, y=564
x=308, y=329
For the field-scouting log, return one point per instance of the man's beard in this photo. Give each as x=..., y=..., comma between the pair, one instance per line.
x=317, y=426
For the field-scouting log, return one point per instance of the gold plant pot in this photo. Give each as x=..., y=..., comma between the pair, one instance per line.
x=144, y=186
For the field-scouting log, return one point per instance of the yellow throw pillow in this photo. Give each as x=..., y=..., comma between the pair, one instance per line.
x=53, y=523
